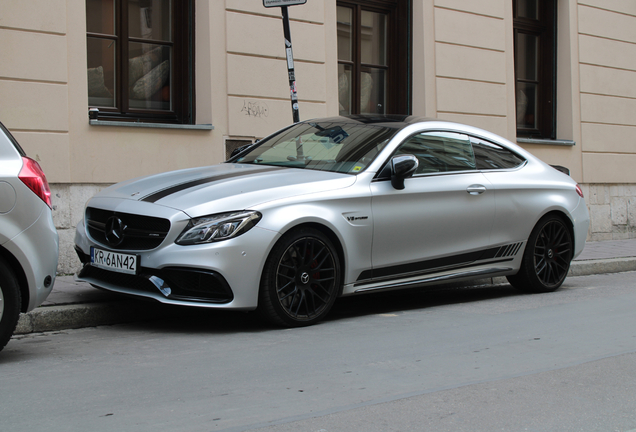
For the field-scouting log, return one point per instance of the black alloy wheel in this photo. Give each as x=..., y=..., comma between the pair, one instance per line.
x=301, y=279
x=547, y=257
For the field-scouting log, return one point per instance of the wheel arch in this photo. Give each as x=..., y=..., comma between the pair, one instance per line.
x=333, y=238
x=23, y=284
x=565, y=219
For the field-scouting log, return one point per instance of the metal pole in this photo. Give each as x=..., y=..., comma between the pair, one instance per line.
x=290, y=64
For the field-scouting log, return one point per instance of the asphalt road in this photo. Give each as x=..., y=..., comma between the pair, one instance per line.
x=441, y=360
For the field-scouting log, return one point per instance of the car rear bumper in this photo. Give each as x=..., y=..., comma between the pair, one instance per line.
x=36, y=249
x=581, y=221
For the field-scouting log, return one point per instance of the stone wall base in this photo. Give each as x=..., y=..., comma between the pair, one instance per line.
x=612, y=214
x=68, y=210
x=612, y=211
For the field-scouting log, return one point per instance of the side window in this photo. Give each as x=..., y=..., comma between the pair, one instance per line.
x=535, y=48
x=490, y=156
x=373, y=51
x=139, y=59
x=440, y=152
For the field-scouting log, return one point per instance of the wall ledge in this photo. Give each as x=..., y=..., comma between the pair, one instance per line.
x=150, y=125
x=557, y=142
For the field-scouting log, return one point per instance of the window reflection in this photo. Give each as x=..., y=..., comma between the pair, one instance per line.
x=100, y=16
x=146, y=41
x=362, y=61
x=149, y=76
x=492, y=156
x=373, y=38
x=526, y=52
x=440, y=152
x=344, y=33
x=344, y=88
x=101, y=72
x=150, y=19
x=526, y=105
x=528, y=9
x=373, y=91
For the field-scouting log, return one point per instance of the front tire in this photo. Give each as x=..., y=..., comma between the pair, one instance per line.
x=301, y=279
x=10, y=303
x=546, y=259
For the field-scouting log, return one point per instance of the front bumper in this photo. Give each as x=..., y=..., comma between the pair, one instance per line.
x=224, y=274
x=175, y=284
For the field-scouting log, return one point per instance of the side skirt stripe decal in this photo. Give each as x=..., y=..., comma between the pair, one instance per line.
x=423, y=267
x=430, y=279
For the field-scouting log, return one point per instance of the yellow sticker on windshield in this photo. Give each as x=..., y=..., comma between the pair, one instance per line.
x=357, y=168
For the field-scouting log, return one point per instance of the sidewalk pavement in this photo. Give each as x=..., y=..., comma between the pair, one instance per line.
x=74, y=304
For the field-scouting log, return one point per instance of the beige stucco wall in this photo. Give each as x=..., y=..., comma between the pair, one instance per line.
x=258, y=88
x=470, y=63
x=33, y=80
x=607, y=56
x=463, y=70
x=240, y=63
x=607, y=40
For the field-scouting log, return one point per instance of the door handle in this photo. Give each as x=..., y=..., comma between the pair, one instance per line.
x=476, y=189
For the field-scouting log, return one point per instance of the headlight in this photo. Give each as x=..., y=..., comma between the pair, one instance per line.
x=218, y=227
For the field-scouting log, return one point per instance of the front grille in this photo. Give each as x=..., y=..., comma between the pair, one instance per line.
x=185, y=283
x=139, y=233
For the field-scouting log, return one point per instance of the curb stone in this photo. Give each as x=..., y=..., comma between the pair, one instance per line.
x=80, y=315
x=73, y=316
x=601, y=266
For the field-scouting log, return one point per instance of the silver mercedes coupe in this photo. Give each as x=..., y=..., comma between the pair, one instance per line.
x=336, y=207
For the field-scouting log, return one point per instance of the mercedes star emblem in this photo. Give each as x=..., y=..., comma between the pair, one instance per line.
x=115, y=228
x=304, y=278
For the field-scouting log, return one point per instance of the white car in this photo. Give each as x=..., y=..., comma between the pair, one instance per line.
x=28, y=238
x=336, y=207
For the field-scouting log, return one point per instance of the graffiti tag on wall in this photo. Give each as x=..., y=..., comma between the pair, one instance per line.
x=255, y=109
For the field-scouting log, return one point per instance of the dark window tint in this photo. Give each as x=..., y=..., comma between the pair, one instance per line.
x=373, y=56
x=492, y=156
x=535, y=67
x=140, y=62
x=439, y=152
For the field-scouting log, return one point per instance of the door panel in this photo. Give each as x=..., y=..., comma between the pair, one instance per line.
x=432, y=217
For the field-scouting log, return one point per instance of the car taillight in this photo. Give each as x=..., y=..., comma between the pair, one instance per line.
x=32, y=175
x=579, y=191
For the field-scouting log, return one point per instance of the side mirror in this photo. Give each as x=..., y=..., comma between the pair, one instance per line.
x=402, y=167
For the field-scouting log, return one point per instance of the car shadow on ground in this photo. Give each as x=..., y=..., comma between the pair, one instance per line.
x=415, y=299
x=213, y=321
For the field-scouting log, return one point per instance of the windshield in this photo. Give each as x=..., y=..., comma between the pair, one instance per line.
x=327, y=146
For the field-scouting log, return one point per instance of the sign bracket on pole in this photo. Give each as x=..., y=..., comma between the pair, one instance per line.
x=291, y=75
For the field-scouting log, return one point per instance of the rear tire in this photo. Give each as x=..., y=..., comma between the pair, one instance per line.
x=546, y=259
x=301, y=279
x=10, y=303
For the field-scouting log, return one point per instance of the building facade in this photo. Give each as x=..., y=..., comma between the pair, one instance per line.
x=178, y=84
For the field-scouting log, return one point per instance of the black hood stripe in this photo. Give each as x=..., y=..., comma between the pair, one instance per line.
x=156, y=196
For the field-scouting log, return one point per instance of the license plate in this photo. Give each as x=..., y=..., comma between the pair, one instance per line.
x=114, y=261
